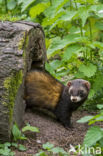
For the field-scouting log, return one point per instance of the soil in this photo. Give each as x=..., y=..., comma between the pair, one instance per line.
x=52, y=131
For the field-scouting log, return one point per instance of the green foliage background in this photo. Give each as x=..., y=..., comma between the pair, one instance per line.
x=74, y=35
x=74, y=42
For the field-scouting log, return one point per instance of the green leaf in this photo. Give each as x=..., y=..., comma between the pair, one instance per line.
x=58, y=43
x=85, y=119
x=22, y=147
x=98, y=44
x=88, y=70
x=37, y=9
x=16, y=132
x=1, y=1
x=99, y=25
x=53, y=10
x=93, y=135
x=87, y=1
x=71, y=50
x=41, y=153
x=8, y=144
x=55, y=64
x=68, y=16
x=60, y=72
x=83, y=13
x=11, y=4
x=52, y=21
x=14, y=144
x=58, y=150
x=98, y=82
x=49, y=68
x=30, y=128
x=91, y=94
x=100, y=11
x=48, y=146
x=61, y=4
x=100, y=106
x=27, y=4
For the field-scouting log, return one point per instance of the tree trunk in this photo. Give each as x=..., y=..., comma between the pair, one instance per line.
x=22, y=47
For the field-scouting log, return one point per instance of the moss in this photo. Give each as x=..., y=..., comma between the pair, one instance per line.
x=26, y=45
x=11, y=85
x=21, y=42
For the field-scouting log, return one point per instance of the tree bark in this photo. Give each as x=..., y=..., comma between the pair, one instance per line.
x=22, y=47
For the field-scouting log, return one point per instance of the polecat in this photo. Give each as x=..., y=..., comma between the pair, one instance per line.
x=43, y=90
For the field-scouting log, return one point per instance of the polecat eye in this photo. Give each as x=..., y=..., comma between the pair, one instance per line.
x=81, y=92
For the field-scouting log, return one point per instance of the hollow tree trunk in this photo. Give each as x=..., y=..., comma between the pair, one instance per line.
x=22, y=47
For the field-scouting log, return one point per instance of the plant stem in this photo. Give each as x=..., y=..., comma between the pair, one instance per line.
x=81, y=29
x=90, y=28
x=75, y=5
x=6, y=9
x=91, y=38
x=50, y=2
x=70, y=5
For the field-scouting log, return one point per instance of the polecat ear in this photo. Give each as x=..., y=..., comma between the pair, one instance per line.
x=88, y=85
x=69, y=84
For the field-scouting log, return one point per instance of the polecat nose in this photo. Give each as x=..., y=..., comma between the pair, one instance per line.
x=74, y=98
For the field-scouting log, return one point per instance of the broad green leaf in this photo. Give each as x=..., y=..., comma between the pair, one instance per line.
x=87, y=1
x=98, y=82
x=99, y=25
x=49, y=21
x=11, y=4
x=58, y=43
x=48, y=146
x=49, y=68
x=41, y=153
x=98, y=44
x=100, y=106
x=22, y=147
x=26, y=4
x=88, y=70
x=83, y=14
x=37, y=9
x=58, y=150
x=79, y=75
x=71, y=50
x=8, y=144
x=55, y=64
x=101, y=142
x=68, y=16
x=61, y=4
x=30, y=128
x=14, y=144
x=60, y=72
x=93, y=135
x=1, y=1
x=85, y=119
x=53, y=10
x=100, y=11
x=91, y=94
x=16, y=132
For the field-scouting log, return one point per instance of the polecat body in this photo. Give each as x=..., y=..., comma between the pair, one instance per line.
x=43, y=90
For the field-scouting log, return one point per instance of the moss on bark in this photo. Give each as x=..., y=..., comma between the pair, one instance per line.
x=11, y=85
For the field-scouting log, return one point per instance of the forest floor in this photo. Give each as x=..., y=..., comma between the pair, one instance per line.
x=53, y=132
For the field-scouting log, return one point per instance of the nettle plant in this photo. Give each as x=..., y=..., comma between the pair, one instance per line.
x=74, y=38
x=94, y=135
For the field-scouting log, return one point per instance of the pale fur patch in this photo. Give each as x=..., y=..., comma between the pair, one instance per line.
x=78, y=98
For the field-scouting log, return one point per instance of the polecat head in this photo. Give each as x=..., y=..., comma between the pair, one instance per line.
x=78, y=89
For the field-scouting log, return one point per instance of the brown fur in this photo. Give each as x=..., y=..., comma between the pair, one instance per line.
x=43, y=88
